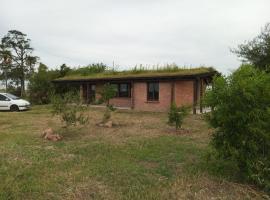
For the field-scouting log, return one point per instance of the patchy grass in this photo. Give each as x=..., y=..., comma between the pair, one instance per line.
x=143, y=72
x=139, y=159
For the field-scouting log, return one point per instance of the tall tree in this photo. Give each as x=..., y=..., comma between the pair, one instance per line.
x=257, y=51
x=5, y=61
x=22, y=59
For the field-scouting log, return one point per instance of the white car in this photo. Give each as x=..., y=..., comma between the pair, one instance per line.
x=12, y=103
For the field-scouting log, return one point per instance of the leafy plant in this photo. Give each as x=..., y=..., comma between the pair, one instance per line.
x=177, y=114
x=69, y=108
x=241, y=118
x=108, y=92
x=257, y=51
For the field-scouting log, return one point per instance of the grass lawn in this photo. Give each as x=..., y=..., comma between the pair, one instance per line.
x=142, y=158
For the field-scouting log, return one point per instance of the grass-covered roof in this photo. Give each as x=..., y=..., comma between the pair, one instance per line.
x=141, y=73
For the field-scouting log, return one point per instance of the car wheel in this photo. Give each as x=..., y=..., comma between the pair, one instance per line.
x=14, y=108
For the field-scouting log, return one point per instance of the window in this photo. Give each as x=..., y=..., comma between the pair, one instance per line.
x=153, y=91
x=124, y=90
x=3, y=98
x=115, y=86
x=11, y=96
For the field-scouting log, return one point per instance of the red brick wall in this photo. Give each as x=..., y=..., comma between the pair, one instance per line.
x=121, y=102
x=184, y=93
x=140, y=97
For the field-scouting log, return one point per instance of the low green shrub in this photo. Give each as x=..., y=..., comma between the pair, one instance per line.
x=69, y=108
x=176, y=115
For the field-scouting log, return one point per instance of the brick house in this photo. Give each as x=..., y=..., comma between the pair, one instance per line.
x=145, y=91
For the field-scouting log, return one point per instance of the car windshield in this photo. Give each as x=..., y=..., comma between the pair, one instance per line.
x=11, y=96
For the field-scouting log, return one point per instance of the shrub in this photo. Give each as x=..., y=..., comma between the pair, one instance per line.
x=69, y=108
x=241, y=118
x=107, y=93
x=177, y=114
x=41, y=86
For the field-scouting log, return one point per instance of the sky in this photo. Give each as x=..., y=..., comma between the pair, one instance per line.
x=188, y=33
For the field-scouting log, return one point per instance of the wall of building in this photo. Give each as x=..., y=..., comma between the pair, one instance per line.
x=140, y=97
x=121, y=102
x=184, y=93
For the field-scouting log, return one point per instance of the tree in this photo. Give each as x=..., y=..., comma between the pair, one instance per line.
x=5, y=61
x=177, y=114
x=241, y=118
x=257, y=51
x=41, y=86
x=108, y=92
x=22, y=59
x=64, y=70
x=69, y=108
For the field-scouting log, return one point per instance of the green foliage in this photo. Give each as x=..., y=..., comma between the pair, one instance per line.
x=69, y=108
x=177, y=114
x=108, y=92
x=257, y=51
x=64, y=70
x=141, y=70
x=22, y=62
x=90, y=69
x=241, y=118
x=40, y=85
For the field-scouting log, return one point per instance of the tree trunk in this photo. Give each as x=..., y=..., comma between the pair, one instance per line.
x=6, y=81
x=22, y=88
x=22, y=76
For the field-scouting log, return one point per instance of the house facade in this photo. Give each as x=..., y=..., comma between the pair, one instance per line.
x=145, y=92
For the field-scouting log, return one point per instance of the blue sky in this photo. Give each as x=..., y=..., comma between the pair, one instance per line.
x=130, y=32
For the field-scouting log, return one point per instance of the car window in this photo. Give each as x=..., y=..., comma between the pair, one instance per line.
x=11, y=96
x=3, y=98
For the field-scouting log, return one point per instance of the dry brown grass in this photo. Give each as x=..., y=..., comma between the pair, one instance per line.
x=140, y=158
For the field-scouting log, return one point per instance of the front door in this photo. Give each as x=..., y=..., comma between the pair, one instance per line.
x=90, y=93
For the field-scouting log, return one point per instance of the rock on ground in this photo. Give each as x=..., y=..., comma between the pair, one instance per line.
x=49, y=134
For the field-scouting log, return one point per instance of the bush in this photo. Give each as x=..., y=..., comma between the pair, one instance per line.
x=41, y=86
x=69, y=108
x=241, y=118
x=107, y=93
x=177, y=114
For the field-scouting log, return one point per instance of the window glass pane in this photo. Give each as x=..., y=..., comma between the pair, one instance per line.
x=123, y=87
x=153, y=91
x=93, y=87
x=12, y=96
x=151, y=87
x=2, y=98
x=124, y=90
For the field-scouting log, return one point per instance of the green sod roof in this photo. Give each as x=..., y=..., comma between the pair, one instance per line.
x=142, y=74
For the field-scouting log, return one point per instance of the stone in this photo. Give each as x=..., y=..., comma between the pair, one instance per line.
x=108, y=124
x=48, y=134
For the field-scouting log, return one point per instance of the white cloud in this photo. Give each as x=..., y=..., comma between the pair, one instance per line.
x=187, y=32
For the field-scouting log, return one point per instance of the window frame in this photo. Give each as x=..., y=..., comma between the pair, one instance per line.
x=118, y=93
x=124, y=94
x=152, y=98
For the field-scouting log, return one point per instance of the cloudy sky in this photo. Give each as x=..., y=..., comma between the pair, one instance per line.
x=130, y=32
